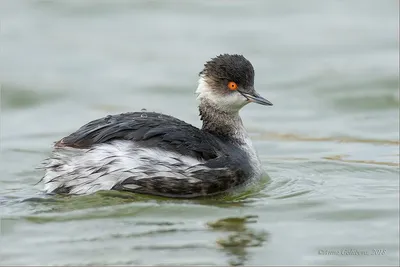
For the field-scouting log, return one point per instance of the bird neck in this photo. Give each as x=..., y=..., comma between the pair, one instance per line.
x=221, y=123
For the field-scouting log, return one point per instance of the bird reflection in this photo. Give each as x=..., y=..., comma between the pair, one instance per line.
x=240, y=238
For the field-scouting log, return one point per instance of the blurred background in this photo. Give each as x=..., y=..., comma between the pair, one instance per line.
x=330, y=143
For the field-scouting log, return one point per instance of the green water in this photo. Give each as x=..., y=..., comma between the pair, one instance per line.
x=330, y=143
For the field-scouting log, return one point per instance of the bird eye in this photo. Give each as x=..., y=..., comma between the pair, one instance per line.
x=232, y=85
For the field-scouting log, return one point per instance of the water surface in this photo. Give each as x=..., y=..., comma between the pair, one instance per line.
x=330, y=143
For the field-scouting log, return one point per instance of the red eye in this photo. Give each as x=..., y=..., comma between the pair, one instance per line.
x=232, y=86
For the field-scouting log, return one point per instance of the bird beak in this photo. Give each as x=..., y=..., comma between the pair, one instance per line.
x=256, y=98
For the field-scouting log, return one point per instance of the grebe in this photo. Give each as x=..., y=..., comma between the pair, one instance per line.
x=156, y=154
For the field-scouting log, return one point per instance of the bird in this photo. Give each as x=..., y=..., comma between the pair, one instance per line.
x=156, y=154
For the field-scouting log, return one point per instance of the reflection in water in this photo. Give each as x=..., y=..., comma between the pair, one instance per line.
x=342, y=158
x=240, y=237
x=297, y=137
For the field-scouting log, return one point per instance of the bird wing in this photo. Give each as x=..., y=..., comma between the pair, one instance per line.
x=146, y=129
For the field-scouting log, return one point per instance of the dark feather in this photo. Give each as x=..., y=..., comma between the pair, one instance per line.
x=147, y=129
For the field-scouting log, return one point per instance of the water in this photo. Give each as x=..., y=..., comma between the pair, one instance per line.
x=330, y=143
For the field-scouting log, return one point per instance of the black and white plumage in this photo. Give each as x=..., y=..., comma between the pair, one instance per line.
x=152, y=153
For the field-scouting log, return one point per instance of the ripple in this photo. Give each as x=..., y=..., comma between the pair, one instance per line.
x=342, y=158
x=344, y=139
x=151, y=233
x=292, y=185
x=352, y=214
